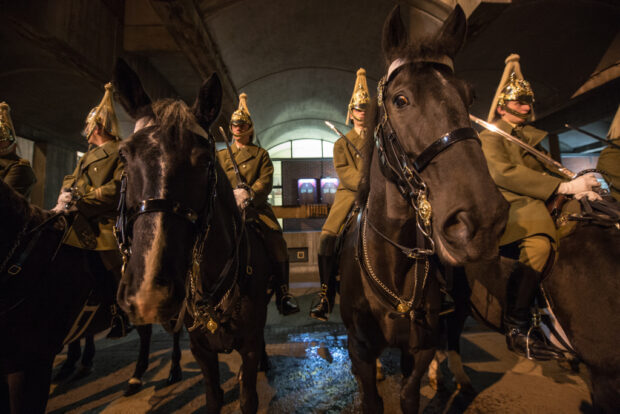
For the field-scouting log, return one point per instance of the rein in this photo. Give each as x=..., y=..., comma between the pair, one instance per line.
x=397, y=167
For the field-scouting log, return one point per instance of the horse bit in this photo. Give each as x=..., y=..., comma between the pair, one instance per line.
x=397, y=167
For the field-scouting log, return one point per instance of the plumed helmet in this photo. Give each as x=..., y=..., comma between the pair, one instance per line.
x=103, y=115
x=512, y=87
x=614, y=128
x=7, y=132
x=360, y=98
x=242, y=116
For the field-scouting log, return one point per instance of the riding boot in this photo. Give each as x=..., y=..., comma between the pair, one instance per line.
x=120, y=325
x=327, y=294
x=521, y=337
x=285, y=302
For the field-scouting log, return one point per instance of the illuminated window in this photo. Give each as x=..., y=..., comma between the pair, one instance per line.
x=328, y=149
x=281, y=150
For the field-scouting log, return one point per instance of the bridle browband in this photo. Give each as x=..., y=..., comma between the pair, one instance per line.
x=397, y=167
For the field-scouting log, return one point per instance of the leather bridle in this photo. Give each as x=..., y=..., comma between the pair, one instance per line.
x=397, y=166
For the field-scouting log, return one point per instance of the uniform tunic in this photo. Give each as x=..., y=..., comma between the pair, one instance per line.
x=97, y=178
x=17, y=173
x=609, y=162
x=256, y=167
x=349, y=168
x=522, y=180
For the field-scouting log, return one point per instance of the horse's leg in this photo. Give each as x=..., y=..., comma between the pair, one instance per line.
x=87, y=358
x=455, y=323
x=410, y=390
x=208, y=361
x=29, y=389
x=135, y=382
x=176, y=374
x=248, y=397
x=264, y=363
x=364, y=367
x=74, y=351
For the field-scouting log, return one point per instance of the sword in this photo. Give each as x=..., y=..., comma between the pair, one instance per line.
x=542, y=157
x=333, y=128
x=591, y=135
x=240, y=180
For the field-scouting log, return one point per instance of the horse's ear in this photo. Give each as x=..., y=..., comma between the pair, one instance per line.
x=129, y=88
x=209, y=101
x=452, y=33
x=394, y=34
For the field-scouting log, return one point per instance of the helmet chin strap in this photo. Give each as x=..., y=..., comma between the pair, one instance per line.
x=517, y=114
x=242, y=134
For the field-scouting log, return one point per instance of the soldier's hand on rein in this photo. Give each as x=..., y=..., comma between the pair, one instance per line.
x=65, y=202
x=242, y=197
x=590, y=195
x=579, y=185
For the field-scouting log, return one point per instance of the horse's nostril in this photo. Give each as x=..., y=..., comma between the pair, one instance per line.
x=458, y=227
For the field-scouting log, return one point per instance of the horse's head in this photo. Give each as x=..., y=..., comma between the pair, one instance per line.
x=169, y=167
x=424, y=121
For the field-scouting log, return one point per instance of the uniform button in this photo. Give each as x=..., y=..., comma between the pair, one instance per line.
x=244, y=165
x=95, y=169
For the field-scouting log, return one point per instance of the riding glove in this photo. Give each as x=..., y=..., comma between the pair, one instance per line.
x=65, y=199
x=590, y=195
x=579, y=185
x=242, y=197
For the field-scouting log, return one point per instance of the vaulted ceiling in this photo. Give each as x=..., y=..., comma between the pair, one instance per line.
x=296, y=60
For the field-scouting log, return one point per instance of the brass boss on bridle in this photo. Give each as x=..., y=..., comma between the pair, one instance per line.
x=397, y=166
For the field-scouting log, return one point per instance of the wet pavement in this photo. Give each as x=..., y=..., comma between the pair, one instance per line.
x=311, y=373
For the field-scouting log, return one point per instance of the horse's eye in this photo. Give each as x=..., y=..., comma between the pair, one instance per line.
x=400, y=101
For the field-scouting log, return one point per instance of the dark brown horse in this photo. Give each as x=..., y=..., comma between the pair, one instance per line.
x=185, y=240
x=582, y=293
x=427, y=188
x=40, y=303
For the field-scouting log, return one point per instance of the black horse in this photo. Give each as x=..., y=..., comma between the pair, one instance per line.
x=581, y=292
x=390, y=292
x=40, y=303
x=185, y=240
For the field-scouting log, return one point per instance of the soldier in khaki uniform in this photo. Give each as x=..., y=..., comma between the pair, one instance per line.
x=256, y=168
x=14, y=171
x=93, y=191
x=526, y=185
x=609, y=160
x=348, y=165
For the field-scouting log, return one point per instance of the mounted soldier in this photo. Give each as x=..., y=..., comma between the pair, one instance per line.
x=92, y=192
x=256, y=169
x=14, y=171
x=348, y=164
x=530, y=233
x=609, y=160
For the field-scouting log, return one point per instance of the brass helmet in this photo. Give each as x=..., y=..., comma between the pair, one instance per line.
x=7, y=132
x=512, y=87
x=242, y=116
x=103, y=115
x=360, y=98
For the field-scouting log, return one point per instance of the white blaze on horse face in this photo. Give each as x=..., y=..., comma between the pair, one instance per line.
x=151, y=296
x=142, y=123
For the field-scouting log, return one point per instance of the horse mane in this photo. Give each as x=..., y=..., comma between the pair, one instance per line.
x=173, y=118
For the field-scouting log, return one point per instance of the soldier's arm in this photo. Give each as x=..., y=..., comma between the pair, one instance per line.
x=609, y=163
x=348, y=175
x=21, y=177
x=102, y=199
x=264, y=183
x=516, y=178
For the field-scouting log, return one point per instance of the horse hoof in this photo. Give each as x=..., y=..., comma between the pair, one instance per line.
x=133, y=387
x=175, y=376
x=466, y=389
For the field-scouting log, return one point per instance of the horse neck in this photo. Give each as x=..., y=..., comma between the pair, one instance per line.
x=16, y=212
x=394, y=217
x=225, y=227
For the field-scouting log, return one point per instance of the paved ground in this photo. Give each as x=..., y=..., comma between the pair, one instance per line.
x=311, y=374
